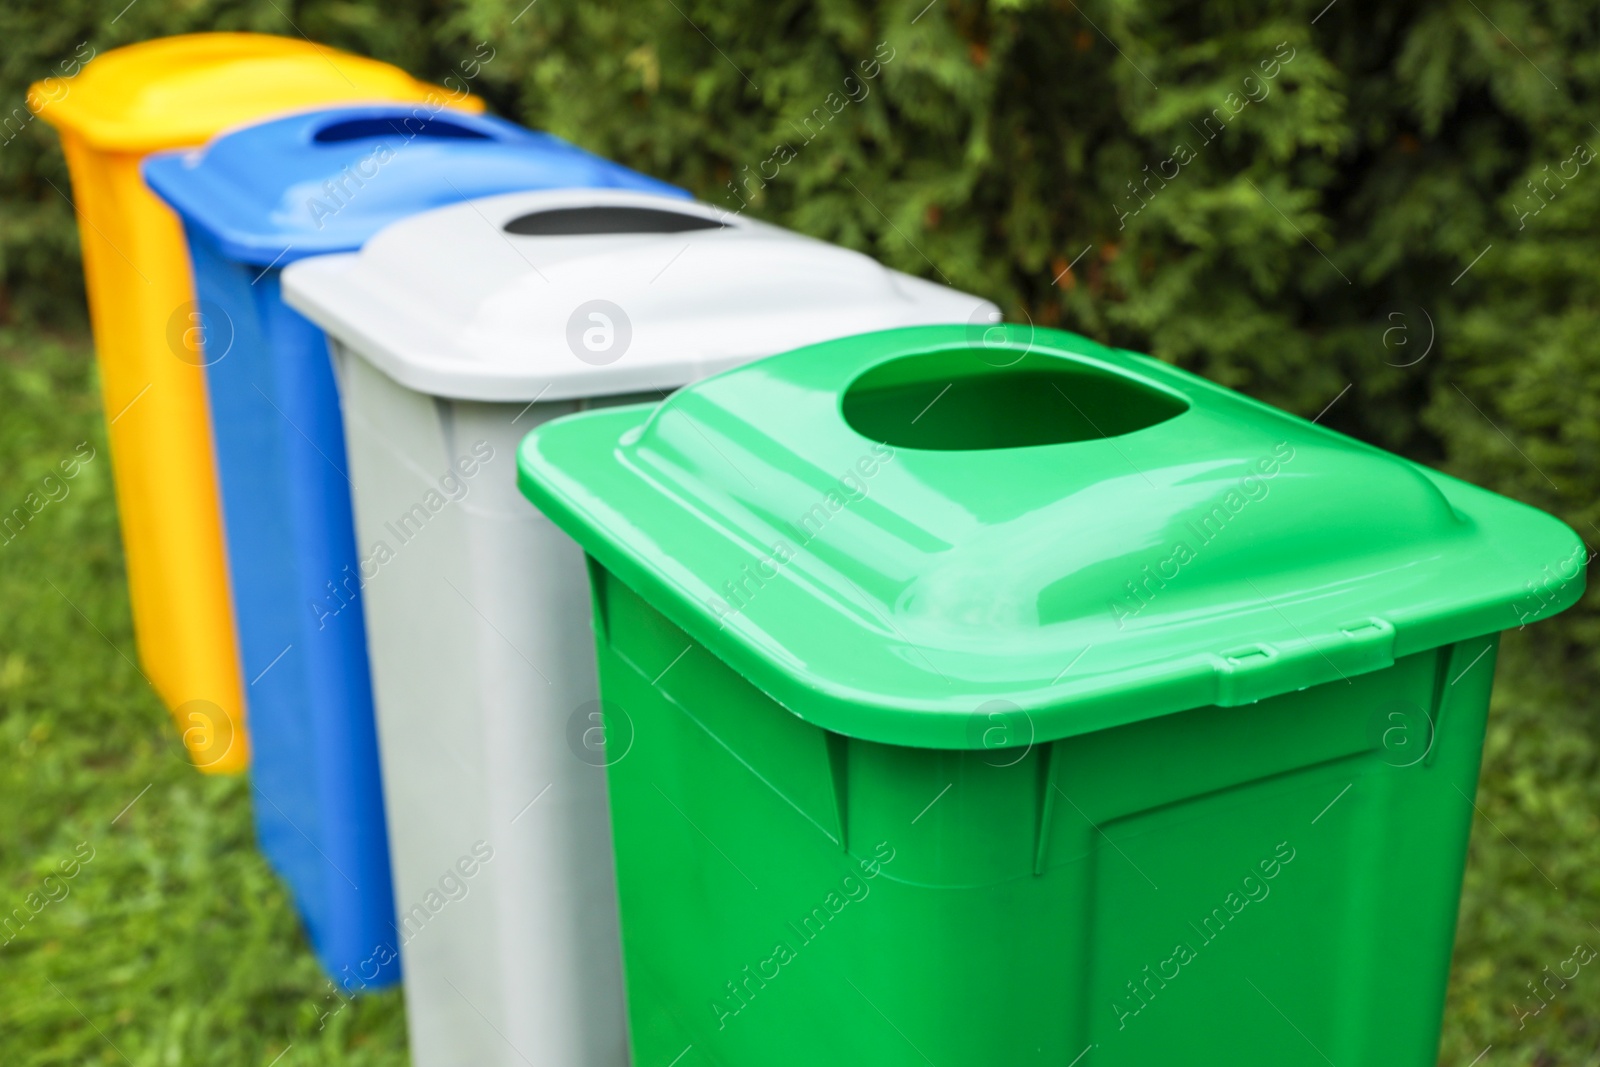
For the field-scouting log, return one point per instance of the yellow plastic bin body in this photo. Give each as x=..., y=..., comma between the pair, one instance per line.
x=170, y=93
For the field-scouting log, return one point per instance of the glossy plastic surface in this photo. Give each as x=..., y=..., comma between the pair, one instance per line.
x=1272, y=884
x=279, y=436
x=165, y=94
x=318, y=796
x=175, y=92
x=326, y=181
x=930, y=793
x=562, y=294
x=477, y=606
x=1090, y=536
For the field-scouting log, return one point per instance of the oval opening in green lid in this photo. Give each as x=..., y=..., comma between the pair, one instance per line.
x=952, y=400
x=1177, y=546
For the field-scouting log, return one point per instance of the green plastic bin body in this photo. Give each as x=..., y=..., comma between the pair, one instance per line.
x=942, y=775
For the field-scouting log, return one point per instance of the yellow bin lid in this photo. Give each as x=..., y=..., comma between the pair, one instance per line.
x=175, y=92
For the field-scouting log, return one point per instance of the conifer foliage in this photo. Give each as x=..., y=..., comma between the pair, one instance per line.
x=1386, y=208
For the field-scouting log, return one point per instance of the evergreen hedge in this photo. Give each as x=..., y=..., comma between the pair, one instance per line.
x=1386, y=208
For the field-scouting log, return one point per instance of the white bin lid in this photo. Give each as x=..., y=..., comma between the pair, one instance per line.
x=517, y=297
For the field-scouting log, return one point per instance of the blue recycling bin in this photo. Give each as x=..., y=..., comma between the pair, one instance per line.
x=251, y=202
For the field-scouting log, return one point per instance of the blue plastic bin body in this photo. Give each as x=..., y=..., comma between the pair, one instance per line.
x=251, y=202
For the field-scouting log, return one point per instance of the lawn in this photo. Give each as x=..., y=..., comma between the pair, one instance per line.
x=172, y=943
x=156, y=935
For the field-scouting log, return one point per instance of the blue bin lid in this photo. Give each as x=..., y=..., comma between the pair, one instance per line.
x=324, y=181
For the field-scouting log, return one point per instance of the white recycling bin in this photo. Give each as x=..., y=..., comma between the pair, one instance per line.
x=454, y=332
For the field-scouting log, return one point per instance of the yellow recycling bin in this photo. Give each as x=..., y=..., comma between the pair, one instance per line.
x=178, y=92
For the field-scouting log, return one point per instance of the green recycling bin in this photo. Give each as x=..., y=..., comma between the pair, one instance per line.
x=981, y=696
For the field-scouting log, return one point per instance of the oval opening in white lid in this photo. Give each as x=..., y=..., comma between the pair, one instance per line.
x=572, y=293
x=594, y=219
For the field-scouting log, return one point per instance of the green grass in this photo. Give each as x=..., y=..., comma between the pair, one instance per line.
x=174, y=945
x=1533, y=874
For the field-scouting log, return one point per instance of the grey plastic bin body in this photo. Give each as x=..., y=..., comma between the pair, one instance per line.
x=454, y=333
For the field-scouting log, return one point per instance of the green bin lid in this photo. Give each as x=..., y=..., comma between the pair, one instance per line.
x=896, y=534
